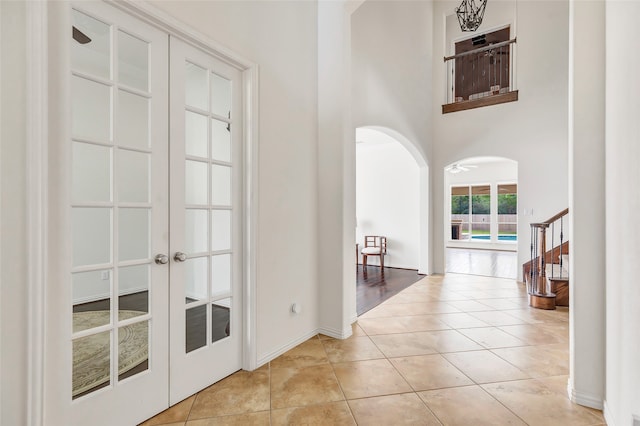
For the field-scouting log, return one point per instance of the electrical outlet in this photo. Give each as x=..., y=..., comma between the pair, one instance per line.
x=104, y=275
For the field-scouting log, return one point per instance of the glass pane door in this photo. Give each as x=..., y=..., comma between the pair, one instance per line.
x=115, y=327
x=205, y=210
x=111, y=210
x=459, y=213
x=481, y=213
x=507, y=212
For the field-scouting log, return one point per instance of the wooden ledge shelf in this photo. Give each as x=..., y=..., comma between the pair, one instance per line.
x=482, y=102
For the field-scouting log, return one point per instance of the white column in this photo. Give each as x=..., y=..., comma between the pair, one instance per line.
x=14, y=262
x=336, y=172
x=586, y=207
x=622, y=205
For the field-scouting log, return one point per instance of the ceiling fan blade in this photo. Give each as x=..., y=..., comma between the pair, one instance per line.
x=80, y=37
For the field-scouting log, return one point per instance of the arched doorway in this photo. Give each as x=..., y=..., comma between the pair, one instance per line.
x=391, y=199
x=481, y=217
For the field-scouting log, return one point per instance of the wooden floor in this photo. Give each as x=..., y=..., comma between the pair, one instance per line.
x=489, y=263
x=374, y=286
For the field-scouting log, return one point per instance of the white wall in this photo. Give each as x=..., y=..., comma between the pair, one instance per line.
x=391, y=63
x=387, y=198
x=13, y=213
x=586, y=208
x=336, y=180
x=488, y=172
x=622, y=207
x=531, y=131
x=281, y=38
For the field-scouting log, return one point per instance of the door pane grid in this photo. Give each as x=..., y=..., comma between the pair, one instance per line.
x=93, y=79
x=214, y=93
x=93, y=58
x=101, y=323
x=90, y=142
x=133, y=60
x=217, y=162
x=133, y=91
x=134, y=150
x=212, y=115
x=92, y=109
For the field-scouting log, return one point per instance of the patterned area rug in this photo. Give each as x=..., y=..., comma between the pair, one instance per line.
x=91, y=354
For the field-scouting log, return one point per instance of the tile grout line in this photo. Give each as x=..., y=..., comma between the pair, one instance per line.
x=436, y=352
x=405, y=379
x=427, y=288
x=333, y=370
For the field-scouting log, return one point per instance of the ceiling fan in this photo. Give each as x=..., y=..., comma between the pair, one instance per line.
x=80, y=37
x=457, y=168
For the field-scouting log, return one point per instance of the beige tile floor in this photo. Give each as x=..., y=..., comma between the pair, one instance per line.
x=490, y=263
x=450, y=350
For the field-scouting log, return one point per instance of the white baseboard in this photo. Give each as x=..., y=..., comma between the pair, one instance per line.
x=580, y=398
x=336, y=333
x=608, y=416
x=276, y=353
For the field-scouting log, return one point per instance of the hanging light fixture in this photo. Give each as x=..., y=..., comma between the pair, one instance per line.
x=470, y=13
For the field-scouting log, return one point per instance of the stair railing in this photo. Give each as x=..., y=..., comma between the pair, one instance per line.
x=540, y=295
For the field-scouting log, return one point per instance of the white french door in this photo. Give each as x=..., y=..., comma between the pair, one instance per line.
x=145, y=304
x=206, y=182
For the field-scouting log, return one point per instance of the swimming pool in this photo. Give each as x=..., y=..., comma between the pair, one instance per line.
x=500, y=237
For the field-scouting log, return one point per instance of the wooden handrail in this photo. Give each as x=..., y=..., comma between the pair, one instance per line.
x=556, y=217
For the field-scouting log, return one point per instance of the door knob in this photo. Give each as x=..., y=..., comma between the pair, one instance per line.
x=161, y=259
x=180, y=257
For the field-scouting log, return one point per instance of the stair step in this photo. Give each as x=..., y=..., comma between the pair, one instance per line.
x=556, y=271
x=561, y=290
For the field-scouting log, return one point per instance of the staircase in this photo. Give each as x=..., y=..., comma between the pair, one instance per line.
x=546, y=275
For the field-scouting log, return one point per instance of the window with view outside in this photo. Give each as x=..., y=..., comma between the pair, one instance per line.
x=471, y=212
x=481, y=212
x=459, y=212
x=507, y=212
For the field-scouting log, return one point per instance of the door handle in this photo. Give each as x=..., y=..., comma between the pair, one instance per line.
x=161, y=259
x=180, y=256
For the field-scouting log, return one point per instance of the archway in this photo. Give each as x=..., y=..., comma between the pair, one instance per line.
x=386, y=135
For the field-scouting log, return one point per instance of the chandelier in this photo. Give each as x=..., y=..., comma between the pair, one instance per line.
x=470, y=13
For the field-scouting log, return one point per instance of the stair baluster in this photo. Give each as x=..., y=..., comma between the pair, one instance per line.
x=541, y=297
x=561, y=241
x=553, y=234
x=547, y=288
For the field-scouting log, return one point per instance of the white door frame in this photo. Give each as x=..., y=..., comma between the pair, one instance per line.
x=38, y=130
